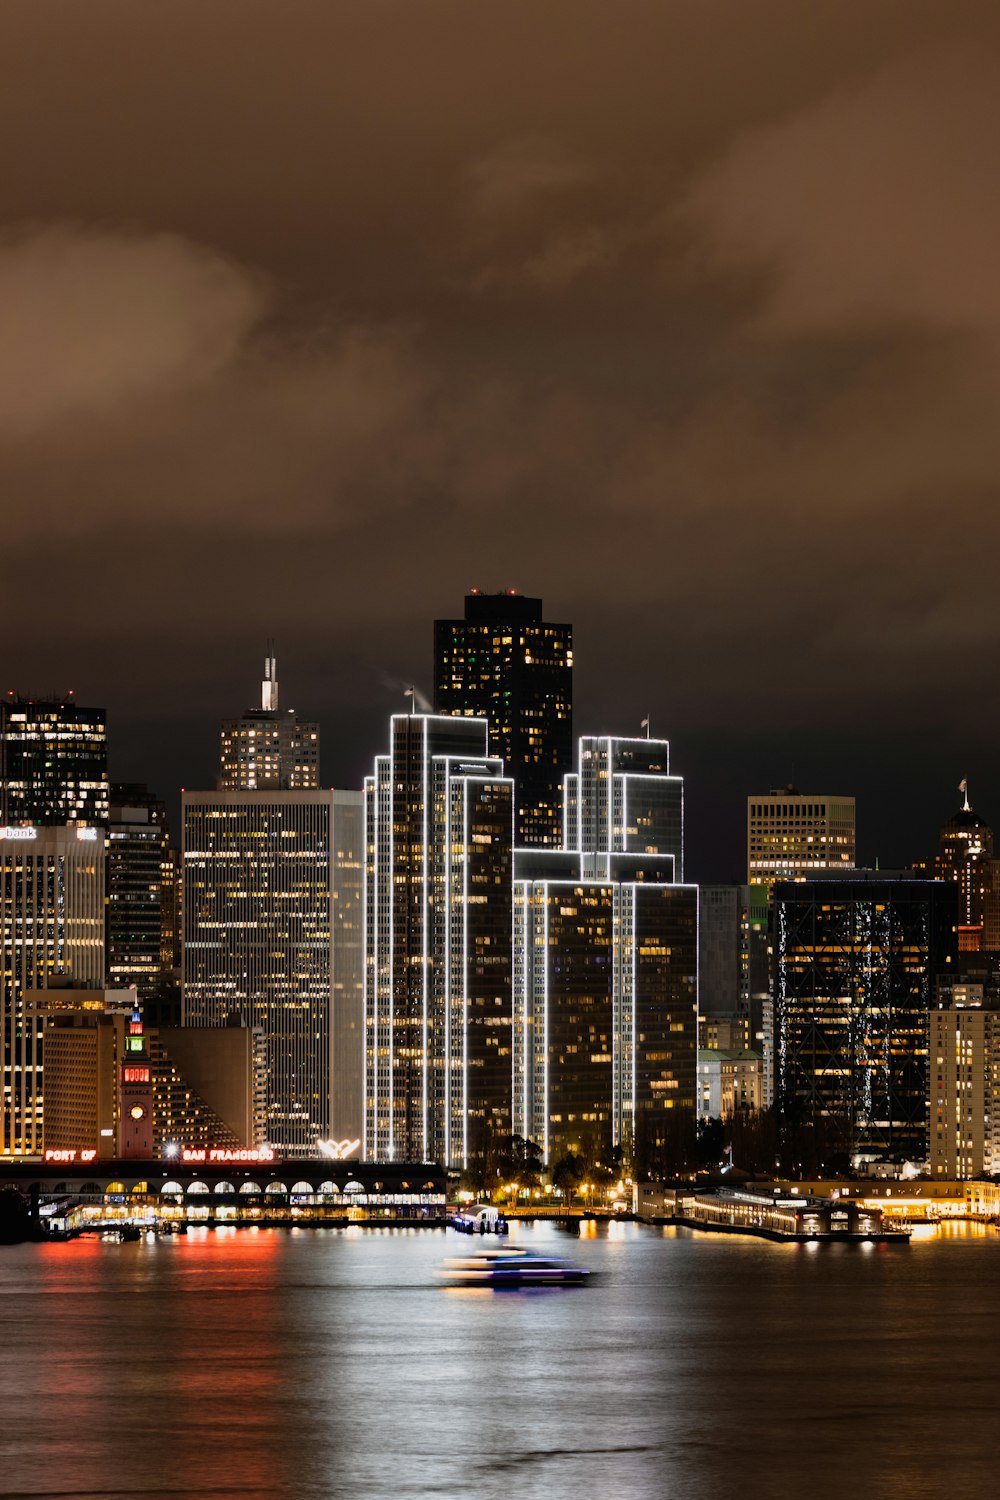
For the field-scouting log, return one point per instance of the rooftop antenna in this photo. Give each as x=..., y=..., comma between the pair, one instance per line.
x=963, y=787
x=269, y=686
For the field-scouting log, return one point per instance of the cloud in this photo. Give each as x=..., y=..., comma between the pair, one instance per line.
x=95, y=321
x=514, y=176
x=875, y=205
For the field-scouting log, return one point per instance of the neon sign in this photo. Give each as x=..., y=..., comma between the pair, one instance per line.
x=225, y=1153
x=338, y=1150
x=69, y=1155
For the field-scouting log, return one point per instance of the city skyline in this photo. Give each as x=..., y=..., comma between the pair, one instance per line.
x=607, y=346
x=894, y=831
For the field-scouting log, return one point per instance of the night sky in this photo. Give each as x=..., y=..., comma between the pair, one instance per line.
x=685, y=316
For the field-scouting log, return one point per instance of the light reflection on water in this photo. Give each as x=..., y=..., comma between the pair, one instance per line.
x=263, y=1363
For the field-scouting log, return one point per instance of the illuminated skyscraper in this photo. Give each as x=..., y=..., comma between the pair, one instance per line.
x=438, y=920
x=966, y=857
x=51, y=929
x=606, y=966
x=857, y=963
x=266, y=750
x=504, y=663
x=53, y=763
x=621, y=799
x=272, y=904
x=792, y=835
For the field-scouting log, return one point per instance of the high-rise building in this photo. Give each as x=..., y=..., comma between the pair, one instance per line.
x=438, y=956
x=51, y=929
x=965, y=856
x=267, y=750
x=964, y=1085
x=140, y=891
x=53, y=763
x=857, y=961
x=793, y=835
x=606, y=965
x=504, y=663
x=260, y=938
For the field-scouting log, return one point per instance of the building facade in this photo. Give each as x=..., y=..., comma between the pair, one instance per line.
x=140, y=876
x=53, y=763
x=438, y=944
x=794, y=835
x=267, y=750
x=122, y=1089
x=964, y=1087
x=965, y=856
x=857, y=962
x=51, y=930
x=260, y=872
x=504, y=663
x=606, y=963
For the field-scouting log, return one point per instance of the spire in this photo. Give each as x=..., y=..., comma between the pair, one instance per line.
x=963, y=787
x=269, y=686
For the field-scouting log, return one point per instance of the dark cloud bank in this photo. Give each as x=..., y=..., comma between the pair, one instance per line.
x=685, y=316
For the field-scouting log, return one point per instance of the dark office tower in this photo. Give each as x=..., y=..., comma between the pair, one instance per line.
x=504, y=663
x=140, y=891
x=266, y=750
x=856, y=966
x=438, y=944
x=966, y=857
x=53, y=763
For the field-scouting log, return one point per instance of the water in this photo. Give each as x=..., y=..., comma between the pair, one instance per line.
x=328, y=1363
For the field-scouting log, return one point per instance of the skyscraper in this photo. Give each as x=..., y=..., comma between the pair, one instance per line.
x=51, y=928
x=438, y=917
x=140, y=891
x=965, y=856
x=606, y=965
x=266, y=750
x=622, y=799
x=505, y=664
x=53, y=763
x=792, y=835
x=857, y=962
x=260, y=938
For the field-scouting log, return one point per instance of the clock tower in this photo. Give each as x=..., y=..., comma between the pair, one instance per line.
x=135, y=1096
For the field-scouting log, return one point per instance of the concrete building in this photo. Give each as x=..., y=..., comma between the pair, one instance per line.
x=438, y=943
x=729, y=1078
x=51, y=930
x=271, y=899
x=964, y=1087
x=794, y=835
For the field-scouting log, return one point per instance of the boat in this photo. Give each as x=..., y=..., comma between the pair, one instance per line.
x=483, y=1219
x=504, y=1270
